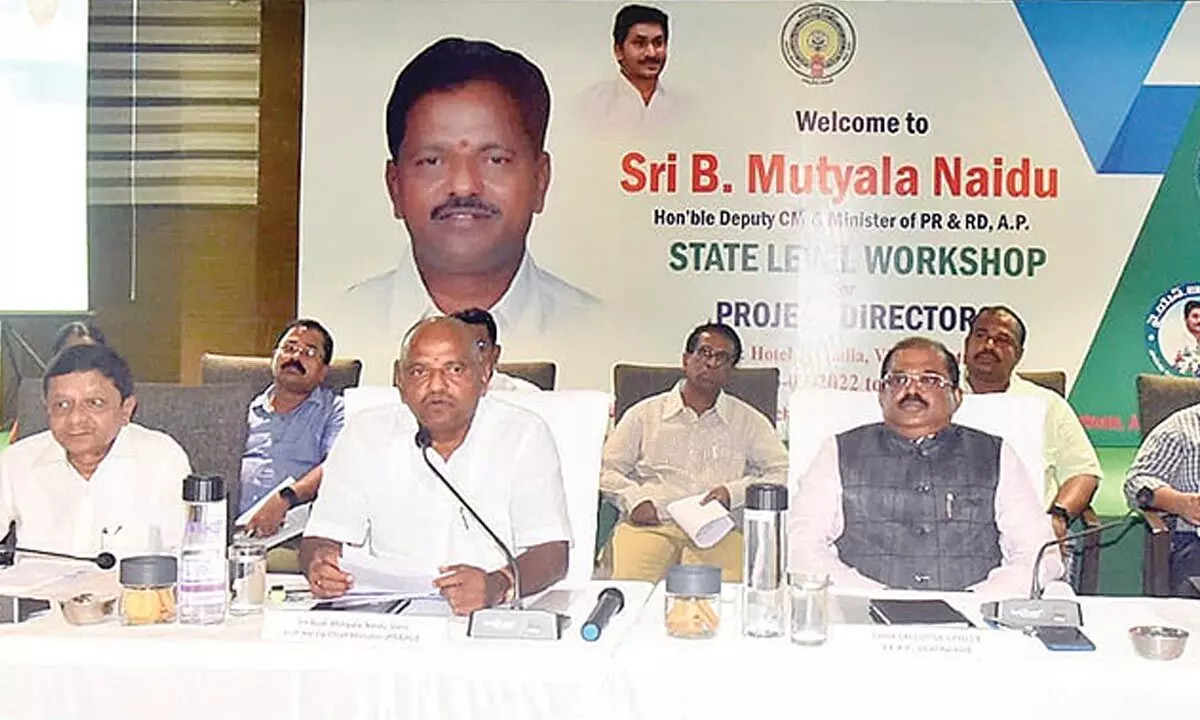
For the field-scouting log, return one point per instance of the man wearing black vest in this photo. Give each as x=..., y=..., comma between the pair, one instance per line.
x=917, y=502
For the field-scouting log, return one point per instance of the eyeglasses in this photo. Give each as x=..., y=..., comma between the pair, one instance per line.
x=295, y=348
x=929, y=380
x=720, y=358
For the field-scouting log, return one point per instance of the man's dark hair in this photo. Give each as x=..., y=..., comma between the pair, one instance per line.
x=478, y=316
x=85, y=358
x=693, y=340
x=310, y=324
x=926, y=344
x=78, y=329
x=453, y=62
x=631, y=15
x=1021, y=332
x=1189, y=306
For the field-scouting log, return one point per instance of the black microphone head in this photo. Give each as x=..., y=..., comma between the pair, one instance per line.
x=423, y=437
x=106, y=561
x=613, y=593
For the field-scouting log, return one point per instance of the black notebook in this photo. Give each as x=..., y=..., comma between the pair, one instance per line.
x=917, y=612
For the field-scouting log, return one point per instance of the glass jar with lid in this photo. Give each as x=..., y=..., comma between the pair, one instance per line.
x=148, y=589
x=693, y=604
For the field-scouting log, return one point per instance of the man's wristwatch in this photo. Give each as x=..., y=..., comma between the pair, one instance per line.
x=1145, y=499
x=1061, y=512
x=289, y=496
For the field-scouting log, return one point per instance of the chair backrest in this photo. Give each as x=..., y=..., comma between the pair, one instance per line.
x=578, y=420
x=1055, y=380
x=208, y=421
x=759, y=387
x=247, y=369
x=817, y=414
x=1160, y=396
x=31, y=408
x=541, y=374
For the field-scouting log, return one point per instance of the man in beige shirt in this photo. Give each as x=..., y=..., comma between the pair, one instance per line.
x=992, y=350
x=694, y=439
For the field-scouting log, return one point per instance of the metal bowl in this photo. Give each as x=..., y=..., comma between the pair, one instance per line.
x=1157, y=642
x=87, y=609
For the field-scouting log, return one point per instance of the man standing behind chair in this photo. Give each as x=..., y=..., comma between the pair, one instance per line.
x=693, y=439
x=991, y=352
x=483, y=326
x=292, y=426
x=379, y=493
x=94, y=481
x=917, y=502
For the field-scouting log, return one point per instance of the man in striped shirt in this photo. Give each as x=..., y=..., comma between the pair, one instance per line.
x=1166, y=475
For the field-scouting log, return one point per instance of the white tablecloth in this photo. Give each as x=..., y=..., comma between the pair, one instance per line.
x=1005, y=675
x=49, y=670
x=53, y=671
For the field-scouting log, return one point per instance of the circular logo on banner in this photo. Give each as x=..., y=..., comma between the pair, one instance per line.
x=818, y=42
x=1172, y=331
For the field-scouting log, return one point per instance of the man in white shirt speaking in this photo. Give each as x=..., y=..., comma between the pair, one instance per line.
x=94, y=481
x=636, y=98
x=378, y=491
x=467, y=171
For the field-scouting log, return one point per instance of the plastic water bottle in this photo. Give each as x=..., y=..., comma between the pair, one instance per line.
x=203, y=588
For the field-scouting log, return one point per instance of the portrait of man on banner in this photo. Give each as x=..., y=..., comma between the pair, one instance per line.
x=466, y=171
x=1187, y=359
x=636, y=97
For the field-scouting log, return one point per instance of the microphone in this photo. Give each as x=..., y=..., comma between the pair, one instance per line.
x=1034, y=611
x=610, y=602
x=1035, y=585
x=9, y=549
x=515, y=622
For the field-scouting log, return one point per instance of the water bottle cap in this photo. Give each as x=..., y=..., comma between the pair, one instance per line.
x=766, y=496
x=198, y=489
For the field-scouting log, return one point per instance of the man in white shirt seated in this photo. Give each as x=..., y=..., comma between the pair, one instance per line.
x=378, y=491
x=991, y=352
x=694, y=439
x=94, y=481
x=635, y=98
x=915, y=501
x=483, y=327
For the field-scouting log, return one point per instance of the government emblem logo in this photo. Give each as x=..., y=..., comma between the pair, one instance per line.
x=818, y=42
x=1172, y=331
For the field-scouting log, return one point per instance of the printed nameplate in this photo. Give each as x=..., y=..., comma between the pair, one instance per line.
x=911, y=639
x=372, y=628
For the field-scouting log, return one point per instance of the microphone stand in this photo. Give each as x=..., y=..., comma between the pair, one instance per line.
x=513, y=622
x=1027, y=614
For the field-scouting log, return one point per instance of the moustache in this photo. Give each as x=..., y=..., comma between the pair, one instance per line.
x=912, y=399
x=989, y=353
x=470, y=205
x=294, y=364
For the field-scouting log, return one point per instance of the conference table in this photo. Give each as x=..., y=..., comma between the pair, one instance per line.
x=52, y=670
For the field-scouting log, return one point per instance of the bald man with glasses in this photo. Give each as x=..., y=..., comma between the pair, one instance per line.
x=693, y=440
x=917, y=502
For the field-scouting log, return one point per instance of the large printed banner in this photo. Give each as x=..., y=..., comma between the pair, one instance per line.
x=827, y=178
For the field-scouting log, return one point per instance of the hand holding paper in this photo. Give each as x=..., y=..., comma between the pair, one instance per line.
x=705, y=524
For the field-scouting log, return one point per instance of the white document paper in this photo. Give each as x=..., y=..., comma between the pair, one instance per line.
x=373, y=582
x=293, y=522
x=704, y=524
x=38, y=575
x=244, y=519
